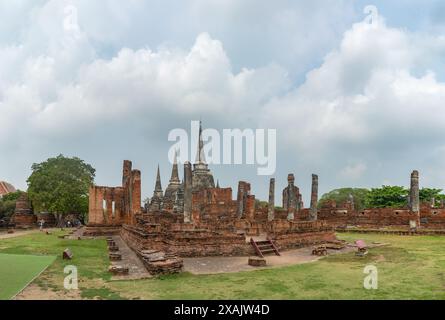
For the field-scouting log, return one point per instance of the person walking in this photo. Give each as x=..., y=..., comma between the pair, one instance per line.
x=42, y=222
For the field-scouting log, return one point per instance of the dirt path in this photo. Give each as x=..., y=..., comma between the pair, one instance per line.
x=34, y=292
x=212, y=265
x=5, y=235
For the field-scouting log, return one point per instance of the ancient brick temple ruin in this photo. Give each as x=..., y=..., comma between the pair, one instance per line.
x=426, y=215
x=193, y=217
x=23, y=216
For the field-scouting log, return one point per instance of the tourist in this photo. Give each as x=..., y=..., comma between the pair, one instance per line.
x=41, y=223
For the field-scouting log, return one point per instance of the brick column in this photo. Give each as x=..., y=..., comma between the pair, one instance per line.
x=314, y=199
x=291, y=198
x=135, y=194
x=414, y=195
x=271, y=208
x=188, y=192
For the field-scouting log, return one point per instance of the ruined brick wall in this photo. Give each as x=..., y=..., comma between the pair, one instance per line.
x=185, y=241
x=213, y=206
x=112, y=206
x=292, y=234
x=23, y=216
x=433, y=218
x=21, y=220
x=105, y=206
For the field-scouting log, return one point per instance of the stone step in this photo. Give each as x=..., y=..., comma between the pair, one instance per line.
x=267, y=250
x=262, y=242
x=265, y=245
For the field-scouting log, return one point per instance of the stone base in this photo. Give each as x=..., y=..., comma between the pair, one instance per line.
x=23, y=221
x=118, y=270
x=100, y=231
x=115, y=256
x=257, y=262
x=167, y=266
x=113, y=248
x=111, y=243
x=320, y=251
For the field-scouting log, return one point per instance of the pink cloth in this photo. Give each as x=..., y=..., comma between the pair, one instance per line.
x=360, y=244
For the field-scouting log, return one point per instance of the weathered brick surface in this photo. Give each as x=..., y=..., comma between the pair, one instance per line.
x=113, y=206
x=23, y=216
x=342, y=216
x=21, y=220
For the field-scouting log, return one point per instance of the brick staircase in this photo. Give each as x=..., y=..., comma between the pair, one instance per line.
x=264, y=247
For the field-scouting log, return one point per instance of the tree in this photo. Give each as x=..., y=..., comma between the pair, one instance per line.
x=427, y=194
x=342, y=195
x=60, y=186
x=387, y=197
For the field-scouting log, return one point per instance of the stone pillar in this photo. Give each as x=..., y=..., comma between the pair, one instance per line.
x=250, y=208
x=243, y=192
x=314, y=199
x=414, y=194
x=126, y=184
x=271, y=208
x=126, y=172
x=135, y=195
x=240, y=200
x=414, y=191
x=188, y=192
x=292, y=201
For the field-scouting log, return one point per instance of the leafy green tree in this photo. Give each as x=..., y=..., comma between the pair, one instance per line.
x=60, y=186
x=427, y=194
x=342, y=195
x=387, y=197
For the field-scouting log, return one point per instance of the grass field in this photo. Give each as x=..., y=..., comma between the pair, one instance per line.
x=16, y=271
x=409, y=268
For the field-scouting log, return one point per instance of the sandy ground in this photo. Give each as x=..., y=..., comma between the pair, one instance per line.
x=34, y=292
x=212, y=265
x=17, y=233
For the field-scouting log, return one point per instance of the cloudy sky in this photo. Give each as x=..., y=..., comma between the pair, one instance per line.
x=359, y=101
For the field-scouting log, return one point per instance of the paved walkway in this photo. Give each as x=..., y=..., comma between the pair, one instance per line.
x=129, y=259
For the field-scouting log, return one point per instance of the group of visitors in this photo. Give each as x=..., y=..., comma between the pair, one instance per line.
x=68, y=224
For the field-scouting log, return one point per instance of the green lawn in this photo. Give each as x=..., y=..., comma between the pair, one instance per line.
x=90, y=257
x=409, y=268
x=16, y=271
